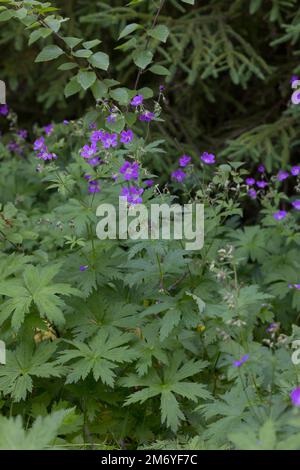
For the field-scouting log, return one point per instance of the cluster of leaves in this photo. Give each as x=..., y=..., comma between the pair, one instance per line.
x=93, y=353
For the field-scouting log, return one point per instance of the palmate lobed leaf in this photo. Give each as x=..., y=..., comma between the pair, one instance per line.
x=34, y=289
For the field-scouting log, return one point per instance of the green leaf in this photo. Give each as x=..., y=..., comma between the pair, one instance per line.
x=67, y=66
x=86, y=79
x=72, y=87
x=190, y=2
x=83, y=53
x=160, y=32
x=39, y=437
x=142, y=58
x=72, y=42
x=91, y=44
x=49, y=53
x=99, y=90
x=100, y=60
x=120, y=95
x=159, y=70
x=6, y=15
x=130, y=28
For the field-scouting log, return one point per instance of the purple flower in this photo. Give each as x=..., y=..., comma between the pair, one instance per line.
x=14, y=147
x=83, y=268
x=87, y=177
x=261, y=184
x=88, y=151
x=94, y=161
x=252, y=193
x=39, y=144
x=92, y=125
x=296, y=204
x=137, y=100
x=208, y=158
x=45, y=155
x=280, y=215
x=130, y=171
x=115, y=177
x=133, y=195
x=147, y=116
x=109, y=140
x=161, y=88
x=149, y=183
x=178, y=175
x=273, y=327
x=293, y=79
x=294, y=286
x=96, y=136
x=241, y=361
x=22, y=133
x=126, y=136
x=295, y=396
x=261, y=169
x=66, y=122
x=111, y=118
x=184, y=160
x=49, y=129
x=295, y=171
x=3, y=110
x=250, y=181
x=93, y=187
x=282, y=175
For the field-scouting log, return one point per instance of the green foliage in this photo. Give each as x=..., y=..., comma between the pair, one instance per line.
x=135, y=343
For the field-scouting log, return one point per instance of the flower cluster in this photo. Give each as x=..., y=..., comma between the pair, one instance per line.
x=41, y=148
x=147, y=116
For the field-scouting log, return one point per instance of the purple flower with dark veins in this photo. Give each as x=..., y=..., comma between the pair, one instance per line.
x=133, y=195
x=184, y=160
x=137, y=100
x=296, y=204
x=130, y=171
x=241, y=361
x=261, y=169
x=88, y=151
x=250, y=181
x=178, y=175
x=282, y=175
x=109, y=140
x=147, y=116
x=295, y=396
x=295, y=171
x=39, y=144
x=279, y=215
x=126, y=136
x=208, y=158
x=96, y=136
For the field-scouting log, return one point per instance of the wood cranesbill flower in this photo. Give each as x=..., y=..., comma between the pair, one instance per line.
x=250, y=181
x=241, y=361
x=279, y=215
x=282, y=175
x=295, y=396
x=147, y=116
x=252, y=193
x=178, y=175
x=184, y=160
x=137, y=100
x=88, y=151
x=4, y=110
x=126, y=136
x=208, y=158
x=133, y=195
x=295, y=170
x=48, y=129
x=261, y=169
x=130, y=171
x=296, y=204
x=261, y=184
